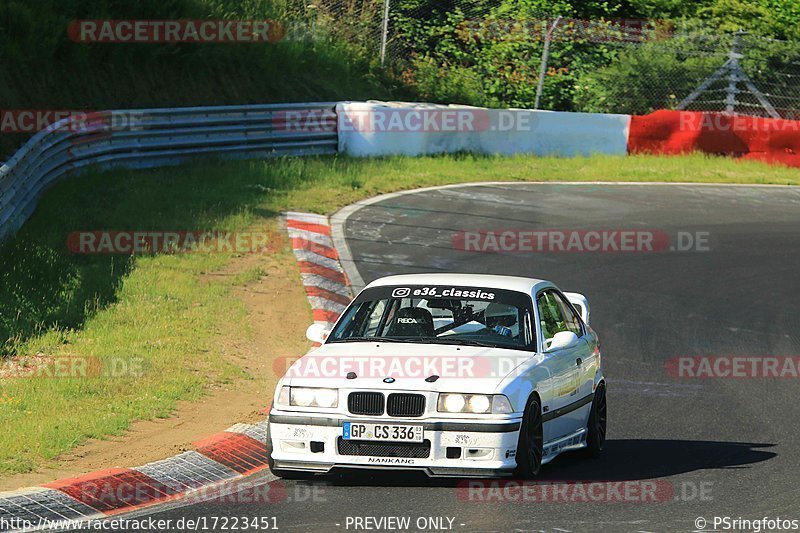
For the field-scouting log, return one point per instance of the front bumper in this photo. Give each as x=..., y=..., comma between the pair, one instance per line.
x=312, y=443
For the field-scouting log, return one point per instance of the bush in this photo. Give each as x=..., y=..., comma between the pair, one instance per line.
x=489, y=53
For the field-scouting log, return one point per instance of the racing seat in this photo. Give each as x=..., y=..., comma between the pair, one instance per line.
x=411, y=322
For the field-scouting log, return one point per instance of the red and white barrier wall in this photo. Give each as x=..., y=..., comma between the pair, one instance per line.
x=384, y=129
x=677, y=132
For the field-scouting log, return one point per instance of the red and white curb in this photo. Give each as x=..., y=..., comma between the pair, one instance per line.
x=216, y=461
x=324, y=278
x=227, y=456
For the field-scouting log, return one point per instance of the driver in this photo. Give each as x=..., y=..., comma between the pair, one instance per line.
x=502, y=319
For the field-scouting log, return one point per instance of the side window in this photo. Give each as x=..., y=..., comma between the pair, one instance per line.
x=571, y=320
x=550, y=315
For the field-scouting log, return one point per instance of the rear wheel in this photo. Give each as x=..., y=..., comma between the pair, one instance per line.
x=598, y=420
x=531, y=441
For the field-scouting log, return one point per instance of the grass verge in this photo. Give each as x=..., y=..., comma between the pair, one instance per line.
x=162, y=316
x=314, y=63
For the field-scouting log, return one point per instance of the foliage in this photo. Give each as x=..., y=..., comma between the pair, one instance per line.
x=489, y=52
x=42, y=69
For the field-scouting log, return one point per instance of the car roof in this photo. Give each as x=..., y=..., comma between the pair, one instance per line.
x=512, y=283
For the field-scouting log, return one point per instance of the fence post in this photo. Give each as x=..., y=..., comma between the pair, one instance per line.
x=384, y=31
x=545, y=59
x=733, y=77
x=733, y=70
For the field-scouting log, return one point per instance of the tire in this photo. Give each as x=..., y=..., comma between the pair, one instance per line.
x=598, y=423
x=531, y=441
x=278, y=472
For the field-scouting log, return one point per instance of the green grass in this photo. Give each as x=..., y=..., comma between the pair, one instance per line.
x=160, y=311
x=251, y=275
x=42, y=69
x=324, y=185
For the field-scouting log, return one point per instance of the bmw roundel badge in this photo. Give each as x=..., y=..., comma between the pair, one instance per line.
x=388, y=380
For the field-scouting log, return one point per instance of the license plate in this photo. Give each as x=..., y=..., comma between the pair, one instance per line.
x=390, y=432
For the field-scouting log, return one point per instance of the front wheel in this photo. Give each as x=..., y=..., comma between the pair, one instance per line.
x=598, y=420
x=531, y=441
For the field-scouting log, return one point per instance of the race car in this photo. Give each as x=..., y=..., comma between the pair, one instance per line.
x=449, y=374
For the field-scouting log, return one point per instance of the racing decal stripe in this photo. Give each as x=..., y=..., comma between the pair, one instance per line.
x=567, y=408
x=506, y=427
x=477, y=428
x=303, y=420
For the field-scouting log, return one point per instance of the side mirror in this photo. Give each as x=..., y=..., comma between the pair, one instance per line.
x=580, y=303
x=317, y=333
x=562, y=340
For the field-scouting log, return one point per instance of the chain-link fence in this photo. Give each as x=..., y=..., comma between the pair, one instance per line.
x=357, y=22
x=500, y=53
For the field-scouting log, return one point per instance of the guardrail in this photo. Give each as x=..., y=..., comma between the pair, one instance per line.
x=158, y=137
x=151, y=138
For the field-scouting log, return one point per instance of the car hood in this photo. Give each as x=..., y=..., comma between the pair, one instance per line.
x=405, y=366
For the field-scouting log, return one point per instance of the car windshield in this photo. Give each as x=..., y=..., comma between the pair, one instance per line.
x=468, y=316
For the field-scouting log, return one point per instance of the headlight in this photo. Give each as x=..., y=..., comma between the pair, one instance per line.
x=309, y=397
x=473, y=403
x=479, y=404
x=452, y=403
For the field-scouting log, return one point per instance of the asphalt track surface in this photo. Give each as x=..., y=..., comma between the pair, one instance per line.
x=726, y=447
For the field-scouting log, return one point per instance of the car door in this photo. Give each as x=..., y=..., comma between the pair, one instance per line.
x=560, y=414
x=586, y=359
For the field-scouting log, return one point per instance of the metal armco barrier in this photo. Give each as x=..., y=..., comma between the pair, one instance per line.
x=157, y=137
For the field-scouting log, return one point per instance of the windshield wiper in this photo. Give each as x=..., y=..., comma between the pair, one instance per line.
x=466, y=342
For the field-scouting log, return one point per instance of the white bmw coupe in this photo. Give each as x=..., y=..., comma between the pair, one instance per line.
x=450, y=374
